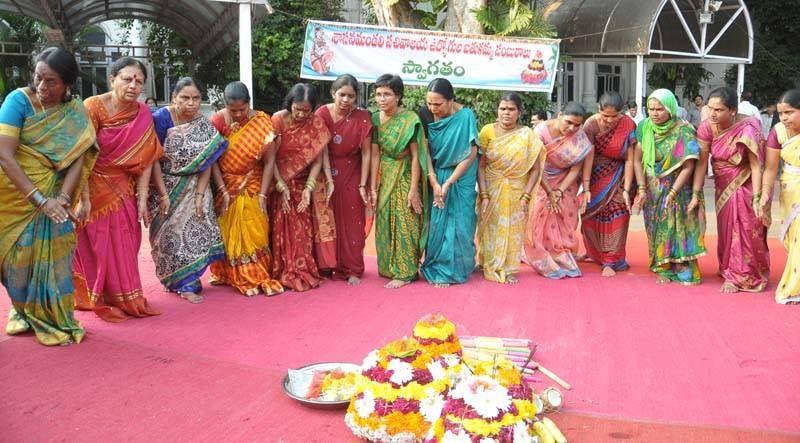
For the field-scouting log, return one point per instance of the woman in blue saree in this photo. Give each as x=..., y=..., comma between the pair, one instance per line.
x=453, y=173
x=184, y=234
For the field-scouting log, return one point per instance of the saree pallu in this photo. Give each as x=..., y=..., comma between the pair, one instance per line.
x=183, y=244
x=788, y=290
x=742, y=237
x=297, y=236
x=344, y=150
x=605, y=224
x=509, y=160
x=551, y=238
x=36, y=254
x=400, y=233
x=674, y=235
x=450, y=252
x=244, y=226
x=106, y=261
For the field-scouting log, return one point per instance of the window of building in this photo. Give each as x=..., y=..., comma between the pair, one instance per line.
x=608, y=79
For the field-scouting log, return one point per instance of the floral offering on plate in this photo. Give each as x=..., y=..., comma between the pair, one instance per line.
x=401, y=389
x=322, y=384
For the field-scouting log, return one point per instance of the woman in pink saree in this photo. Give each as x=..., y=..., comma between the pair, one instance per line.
x=736, y=145
x=106, y=269
x=551, y=238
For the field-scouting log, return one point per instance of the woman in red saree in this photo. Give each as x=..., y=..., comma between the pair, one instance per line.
x=243, y=174
x=303, y=225
x=736, y=145
x=106, y=269
x=349, y=153
x=604, y=225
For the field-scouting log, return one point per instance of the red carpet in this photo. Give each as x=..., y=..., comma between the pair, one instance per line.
x=647, y=362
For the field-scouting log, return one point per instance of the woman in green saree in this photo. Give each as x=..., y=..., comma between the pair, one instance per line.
x=664, y=161
x=46, y=154
x=400, y=158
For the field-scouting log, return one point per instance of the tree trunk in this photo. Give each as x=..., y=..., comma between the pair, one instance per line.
x=460, y=17
x=396, y=14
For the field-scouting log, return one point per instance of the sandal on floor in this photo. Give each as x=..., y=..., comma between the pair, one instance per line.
x=191, y=297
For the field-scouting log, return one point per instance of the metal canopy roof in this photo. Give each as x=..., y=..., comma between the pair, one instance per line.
x=659, y=30
x=208, y=26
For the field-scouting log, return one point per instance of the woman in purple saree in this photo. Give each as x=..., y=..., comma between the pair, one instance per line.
x=736, y=145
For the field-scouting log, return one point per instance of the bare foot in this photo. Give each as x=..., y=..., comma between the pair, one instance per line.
x=583, y=257
x=395, y=284
x=728, y=288
x=353, y=280
x=662, y=280
x=441, y=285
x=511, y=279
x=608, y=271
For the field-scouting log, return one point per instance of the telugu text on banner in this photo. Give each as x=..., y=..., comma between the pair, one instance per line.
x=419, y=56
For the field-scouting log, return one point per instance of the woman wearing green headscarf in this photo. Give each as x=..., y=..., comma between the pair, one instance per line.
x=665, y=158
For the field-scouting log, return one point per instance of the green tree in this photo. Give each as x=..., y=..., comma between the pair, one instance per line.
x=278, y=45
x=15, y=71
x=776, y=54
x=669, y=75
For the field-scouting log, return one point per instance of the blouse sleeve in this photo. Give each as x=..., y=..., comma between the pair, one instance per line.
x=13, y=112
x=485, y=136
x=772, y=140
x=704, y=132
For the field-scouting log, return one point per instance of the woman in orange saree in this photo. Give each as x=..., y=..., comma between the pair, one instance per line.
x=106, y=261
x=245, y=173
x=552, y=240
x=303, y=225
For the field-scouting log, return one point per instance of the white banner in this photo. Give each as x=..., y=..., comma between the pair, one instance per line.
x=418, y=56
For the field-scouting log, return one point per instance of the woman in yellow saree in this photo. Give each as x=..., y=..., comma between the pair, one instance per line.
x=245, y=171
x=511, y=166
x=46, y=141
x=785, y=139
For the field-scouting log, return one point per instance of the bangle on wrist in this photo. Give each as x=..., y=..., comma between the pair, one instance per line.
x=262, y=195
x=362, y=186
x=672, y=192
x=525, y=196
x=625, y=191
x=42, y=202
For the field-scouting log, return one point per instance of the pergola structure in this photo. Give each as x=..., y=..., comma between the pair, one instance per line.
x=651, y=31
x=210, y=26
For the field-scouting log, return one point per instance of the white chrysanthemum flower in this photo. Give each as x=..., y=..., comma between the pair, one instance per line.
x=522, y=434
x=437, y=370
x=461, y=437
x=489, y=440
x=431, y=406
x=402, y=372
x=484, y=394
x=451, y=359
x=370, y=360
x=365, y=405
